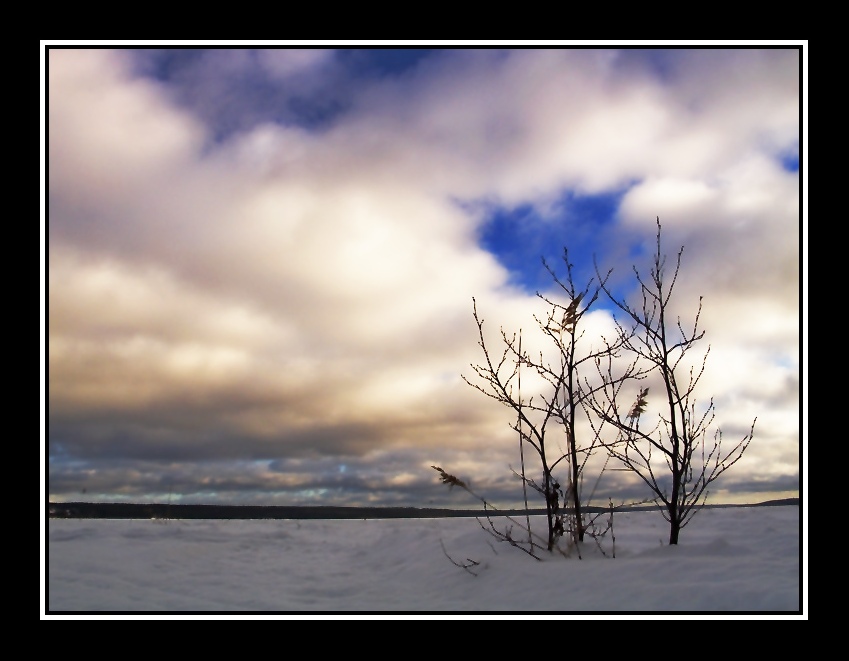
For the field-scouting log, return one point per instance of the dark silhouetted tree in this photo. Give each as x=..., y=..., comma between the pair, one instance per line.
x=554, y=412
x=672, y=454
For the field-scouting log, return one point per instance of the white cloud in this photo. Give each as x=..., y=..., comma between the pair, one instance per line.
x=281, y=277
x=110, y=134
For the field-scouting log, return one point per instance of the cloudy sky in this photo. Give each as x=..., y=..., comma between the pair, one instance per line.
x=259, y=263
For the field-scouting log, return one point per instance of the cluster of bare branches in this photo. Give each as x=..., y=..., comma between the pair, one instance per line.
x=520, y=535
x=672, y=457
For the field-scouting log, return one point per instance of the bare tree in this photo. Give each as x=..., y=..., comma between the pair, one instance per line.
x=558, y=407
x=673, y=457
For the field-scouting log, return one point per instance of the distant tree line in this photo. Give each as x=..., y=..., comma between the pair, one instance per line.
x=79, y=510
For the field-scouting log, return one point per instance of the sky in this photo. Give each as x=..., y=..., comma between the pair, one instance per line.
x=259, y=262
x=730, y=563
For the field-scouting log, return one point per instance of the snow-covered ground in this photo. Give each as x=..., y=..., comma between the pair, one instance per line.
x=730, y=562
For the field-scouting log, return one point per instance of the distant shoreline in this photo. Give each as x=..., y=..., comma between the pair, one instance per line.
x=81, y=510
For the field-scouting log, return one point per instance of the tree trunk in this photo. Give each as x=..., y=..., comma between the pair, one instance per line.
x=674, y=522
x=674, y=528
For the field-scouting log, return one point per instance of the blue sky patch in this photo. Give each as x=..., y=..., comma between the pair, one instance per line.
x=521, y=237
x=790, y=162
